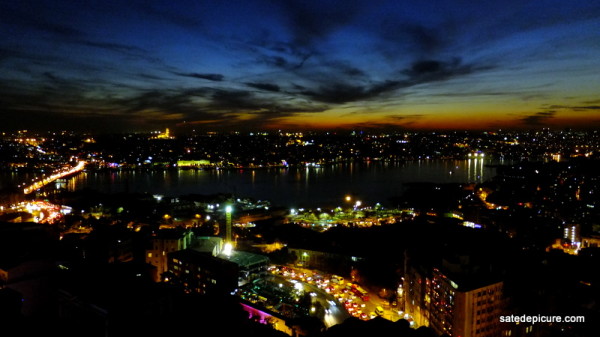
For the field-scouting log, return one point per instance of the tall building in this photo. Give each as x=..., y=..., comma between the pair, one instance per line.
x=202, y=273
x=166, y=241
x=416, y=292
x=465, y=311
x=205, y=267
x=454, y=298
x=572, y=234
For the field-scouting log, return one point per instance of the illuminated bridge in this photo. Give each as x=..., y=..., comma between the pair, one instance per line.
x=57, y=175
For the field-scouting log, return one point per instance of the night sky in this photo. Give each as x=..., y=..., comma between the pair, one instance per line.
x=299, y=65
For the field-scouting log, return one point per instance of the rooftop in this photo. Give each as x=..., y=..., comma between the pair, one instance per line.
x=245, y=259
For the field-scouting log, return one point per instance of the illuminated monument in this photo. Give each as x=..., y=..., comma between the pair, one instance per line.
x=164, y=135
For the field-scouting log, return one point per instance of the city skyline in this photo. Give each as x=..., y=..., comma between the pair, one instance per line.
x=292, y=65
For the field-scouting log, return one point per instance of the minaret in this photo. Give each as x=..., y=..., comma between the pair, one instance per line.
x=228, y=210
x=228, y=247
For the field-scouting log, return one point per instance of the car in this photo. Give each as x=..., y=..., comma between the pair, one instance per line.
x=337, y=279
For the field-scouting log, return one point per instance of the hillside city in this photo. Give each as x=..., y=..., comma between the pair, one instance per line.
x=441, y=259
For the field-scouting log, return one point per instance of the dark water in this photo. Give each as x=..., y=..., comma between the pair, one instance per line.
x=294, y=187
x=290, y=187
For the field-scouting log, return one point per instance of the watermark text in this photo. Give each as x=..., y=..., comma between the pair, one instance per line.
x=541, y=319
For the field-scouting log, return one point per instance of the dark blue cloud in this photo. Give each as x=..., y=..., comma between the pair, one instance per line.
x=207, y=60
x=538, y=119
x=264, y=86
x=210, y=77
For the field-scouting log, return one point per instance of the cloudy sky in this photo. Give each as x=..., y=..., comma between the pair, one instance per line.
x=297, y=65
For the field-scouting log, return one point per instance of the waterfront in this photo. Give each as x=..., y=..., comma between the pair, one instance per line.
x=370, y=182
